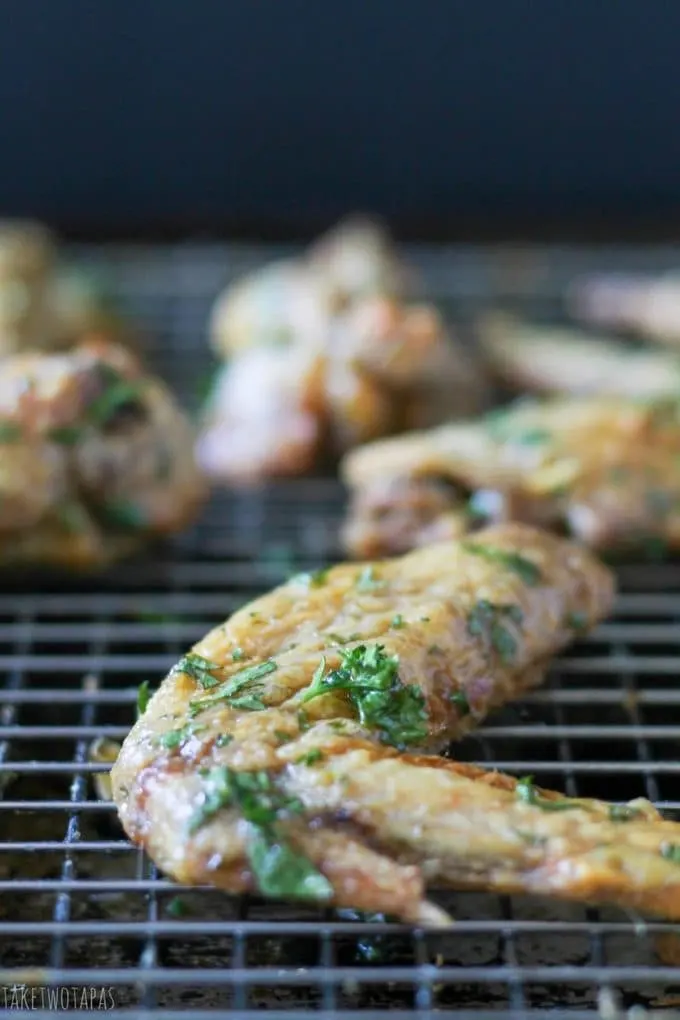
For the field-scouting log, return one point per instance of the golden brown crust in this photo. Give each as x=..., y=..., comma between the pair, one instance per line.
x=470, y=627
x=606, y=469
x=97, y=458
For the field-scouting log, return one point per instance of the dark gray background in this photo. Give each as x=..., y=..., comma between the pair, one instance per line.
x=275, y=116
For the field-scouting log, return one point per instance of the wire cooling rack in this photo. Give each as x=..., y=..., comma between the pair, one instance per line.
x=86, y=919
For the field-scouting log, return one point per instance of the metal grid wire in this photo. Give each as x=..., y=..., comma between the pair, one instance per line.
x=80, y=908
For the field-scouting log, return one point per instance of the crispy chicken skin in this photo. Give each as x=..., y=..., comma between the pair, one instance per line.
x=646, y=306
x=605, y=469
x=44, y=306
x=546, y=359
x=342, y=356
x=258, y=750
x=96, y=458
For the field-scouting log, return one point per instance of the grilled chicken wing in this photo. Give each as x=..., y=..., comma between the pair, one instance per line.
x=605, y=469
x=646, y=306
x=342, y=356
x=96, y=458
x=271, y=758
x=42, y=305
x=557, y=360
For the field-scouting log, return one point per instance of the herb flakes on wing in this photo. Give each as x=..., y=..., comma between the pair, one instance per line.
x=242, y=690
x=496, y=626
x=528, y=794
x=279, y=869
x=370, y=678
x=525, y=568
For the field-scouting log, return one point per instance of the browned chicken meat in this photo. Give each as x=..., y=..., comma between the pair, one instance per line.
x=44, y=306
x=286, y=753
x=96, y=458
x=327, y=354
x=606, y=470
x=547, y=359
x=648, y=306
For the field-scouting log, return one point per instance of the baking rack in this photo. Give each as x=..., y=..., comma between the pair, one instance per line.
x=81, y=910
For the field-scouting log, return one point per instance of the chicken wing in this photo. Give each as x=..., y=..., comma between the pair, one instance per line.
x=646, y=306
x=546, y=359
x=273, y=755
x=44, y=306
x=96, y=458
x=605, y=469
x=343, y=356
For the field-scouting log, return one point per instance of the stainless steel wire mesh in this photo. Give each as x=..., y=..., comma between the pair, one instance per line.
x=80, y=908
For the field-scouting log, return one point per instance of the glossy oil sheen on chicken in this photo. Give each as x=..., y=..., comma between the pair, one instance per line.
x=606, y=470
x=96, y=458
x=275, y=755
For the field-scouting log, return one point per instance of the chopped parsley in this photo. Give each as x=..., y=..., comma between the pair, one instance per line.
x=119, y=393
x=175, y=738
x=577, y=621
x=527, y=792
x=490, y=622
x=224, y=740
x=367, y=581
x=520, y=565
x=238, y=654
x=10, y=432
x=241, y=691
x=395, y=710
x=143, y=697
x=303, y=720
x=66, y=435
x=312, y=757
x=124, y=515
x=278, y=868
x=199, y=669
x=397, y=622
x=460, y=700
x=283, y=737
x=314, y=579
x=176, y=907
x=671, y=852
x=623, y=813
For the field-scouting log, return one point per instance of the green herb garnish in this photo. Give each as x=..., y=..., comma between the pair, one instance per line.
x=66, y=435
x=199, y=669
x=527, y=792
x=143, y=697
x=623, y=813
x=520, y=565
x=311, y=757
x=397, y=622
x=577, y=621
x=238, y=654
x=395, y=710
x=118, y=394
x=671, y=852
x=283, y=737
x=460, y=700
x=278, y=869
x=314, y=579
x=303, y=720
x=176, y=907
x=241, y=691
x=367, y=581
x=224, y=740
x=490, y=622
x=435, y=650
x=175, y=738
x=124, y=515
x=10, y=432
